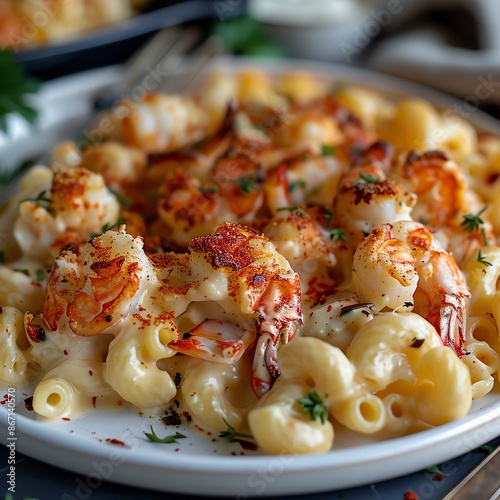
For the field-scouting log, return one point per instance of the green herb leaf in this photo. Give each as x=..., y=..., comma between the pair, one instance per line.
x=41, y=200
x=297, y=210
x=231, y=433
x=328, y=217
x=368, y=178
x=487, y=448
x=435, y=470
x=108, y=227
x=338, y=234
x=14, y=85
x=314, y=406
x=168, y=439
x=327, y=150
x=299, y=183
x=40, y=274
x=247, y=183
x=482, y=259
x=473, y=222
x=209, y=189
x=121, y=199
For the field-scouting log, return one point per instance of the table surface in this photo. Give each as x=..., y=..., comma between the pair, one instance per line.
x=36, y=480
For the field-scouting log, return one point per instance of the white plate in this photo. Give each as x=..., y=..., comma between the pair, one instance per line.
x=203, y=464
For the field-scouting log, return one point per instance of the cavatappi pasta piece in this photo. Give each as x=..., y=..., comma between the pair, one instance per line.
x=73, y=388
x=131, y=365
x=280, y=427
x=14, y=348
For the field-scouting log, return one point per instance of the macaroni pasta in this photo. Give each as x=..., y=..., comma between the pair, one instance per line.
x=271, y=255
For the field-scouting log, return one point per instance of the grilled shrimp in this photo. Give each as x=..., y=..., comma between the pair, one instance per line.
x=93, y=286
x=258, y=291
x=366, y=197
x=159, y=123
x=77, y=202
x=402, y=266
x=190, y=208
x=440, y=186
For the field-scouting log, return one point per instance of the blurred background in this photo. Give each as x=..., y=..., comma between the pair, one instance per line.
x=450, y=45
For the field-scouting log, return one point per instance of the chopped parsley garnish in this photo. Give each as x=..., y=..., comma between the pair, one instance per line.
x=41, y=200
x=108, y=227
x=356, y=149
x=327, y=150
x=338, y=234
x=231, y=433
x=423, y=221
x=40, y=274
x=328, y=217
x=368, y=178
x=168, y=439
x=314, y=406
x=473, y=223
x=247, y=183
x=295, y=209
x=435, y=469
x=209, y=189
x=487, y=448
x=482, y=259
x=295, y=184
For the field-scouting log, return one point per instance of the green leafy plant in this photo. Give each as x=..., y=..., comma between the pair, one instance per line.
x=14, y=85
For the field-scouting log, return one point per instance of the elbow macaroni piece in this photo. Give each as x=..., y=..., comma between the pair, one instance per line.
x=281, y=428
x=69, y=388
x=387, y=348
x=132, y=370
x=14, y=348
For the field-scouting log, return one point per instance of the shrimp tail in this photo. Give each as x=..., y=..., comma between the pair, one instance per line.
x=215, y=341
